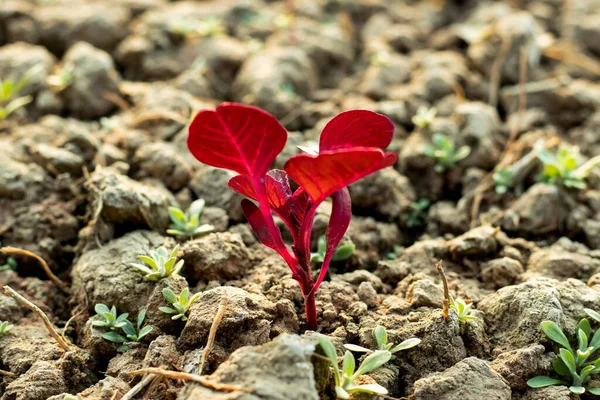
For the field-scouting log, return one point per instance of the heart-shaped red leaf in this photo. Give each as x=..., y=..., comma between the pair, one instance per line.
x=237, y=137
x=330, y=171
x=357, y=128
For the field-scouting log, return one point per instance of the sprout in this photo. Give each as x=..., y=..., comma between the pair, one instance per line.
x=160, y=264
x=188, y=224
x=418, y=213
x=11, y=264
x=445, y=153
x=181, y=304
x=109, y=317
x=562, y=168
x=572, y=363
x=424, y=116
x=381, y=338
x=9, y=89
x=503, y=180
x=5, y=327
x=342, y=252
x=345, y=378
x=463, y=310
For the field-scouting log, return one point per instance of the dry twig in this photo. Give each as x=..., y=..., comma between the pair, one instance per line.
x=446, y=301
x=189, y=377
x=26, y=303
x=213, y=332
x=13, y=250
x=6, y=373
x=139, y=387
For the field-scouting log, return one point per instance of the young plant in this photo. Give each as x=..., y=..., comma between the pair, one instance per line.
x=188, y=223
x=342, y=252
x=109, y=318
x=418, y=213
x=572, y=363
x=463, y=310
x=345, y=377
x=424, y=116
x=181, y=304
x=5, y=327
x=444, y=152
x=160, y=264
x=62, y=79
x=9, y=90
x=247, y=140
x=392, y=255
x=11, y=264
x=503, y=180
x=381, y=338
x=562, y=168
x=137, y=332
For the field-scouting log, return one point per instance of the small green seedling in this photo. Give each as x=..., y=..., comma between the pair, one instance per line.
x=417, y=216
x=160, y=264
x=571, y=363
x=136, y=333
x=9, y=90
x=109, y=317
x=463, y=310
x=392, y=255
x=381, y=338
x=62, y=79
x=345, y=377
x=188, y=224
x=424, y=116
x=503, y=180
x=342, y=252
x=187, y=28
x=181, y=304
x=444, y=152
x=5, y=327
x=11, y=264
x=562, y=168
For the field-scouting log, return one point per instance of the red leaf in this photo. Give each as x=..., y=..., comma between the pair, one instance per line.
x=291, y=208
x=241, y=138
x=330, y=171
x=257, y=222
x=341, y=212
x=357, y=128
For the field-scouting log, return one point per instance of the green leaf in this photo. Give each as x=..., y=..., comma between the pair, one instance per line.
x=341, y=393
x=567, y=357
x=196, y=208
x=372, y=388
x=144, y=331
x=577, y=389
x=193, y=299
x=322, y=245
x=372, y=361
x=357, y=349
x=169, y=295
x=150, y=261
x=551, y=170
x=101, y=309
x=595, y=342
x=593, y=314
x=582, y=340
x=178, y=268
x=184, y=296
x=141, y=317
x=595, y=391
x=177, y=215
x=167, y=310
x=543, y=381
x=343, y=252
x=555, y=334
x=205, y=228
x=380, y=336
x=407, y=344
x=560, y=367
x=584, y=325
x=330, y=352
x=462, y=153
x=349, y=364
x=114, y=337
x=129, y=329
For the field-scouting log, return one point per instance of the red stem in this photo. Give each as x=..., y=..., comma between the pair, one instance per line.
x=311, y=311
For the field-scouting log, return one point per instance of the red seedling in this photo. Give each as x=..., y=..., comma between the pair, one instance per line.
x=246, y=140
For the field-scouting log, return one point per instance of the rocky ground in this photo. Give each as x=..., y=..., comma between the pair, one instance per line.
x=90, y=166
